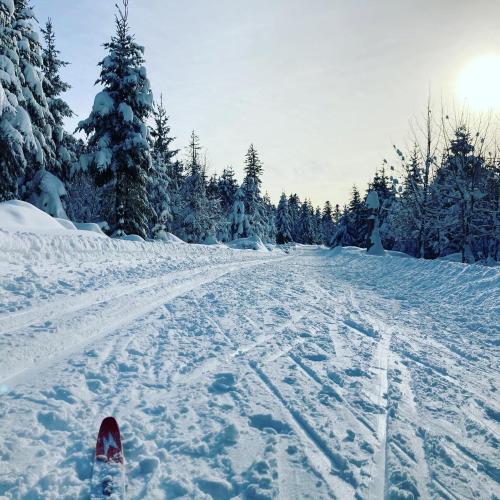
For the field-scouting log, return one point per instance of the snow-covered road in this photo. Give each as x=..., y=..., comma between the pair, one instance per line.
x=241, y=374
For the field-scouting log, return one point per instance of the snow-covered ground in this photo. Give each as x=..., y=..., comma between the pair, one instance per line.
x=236, y=373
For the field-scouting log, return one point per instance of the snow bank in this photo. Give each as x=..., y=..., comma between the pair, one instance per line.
x=251, y=243
x=421, y=280
x=48, y=190
x=132, y=237
x=18, y=215
x=28, y=235
x=168, y=237
x=89, y=226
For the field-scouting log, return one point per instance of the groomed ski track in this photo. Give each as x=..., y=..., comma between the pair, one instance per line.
x=238, y=374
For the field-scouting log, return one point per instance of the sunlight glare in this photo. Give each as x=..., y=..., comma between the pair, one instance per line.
x=479, y=83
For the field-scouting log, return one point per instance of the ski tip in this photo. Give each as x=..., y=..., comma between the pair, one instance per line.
x=109, y=421
x=109, y=446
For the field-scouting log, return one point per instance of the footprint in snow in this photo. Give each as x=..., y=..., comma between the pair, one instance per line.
x=53, y=421
x=223, y=382
x=266, y=421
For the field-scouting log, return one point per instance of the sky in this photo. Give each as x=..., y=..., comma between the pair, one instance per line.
x=322, y=88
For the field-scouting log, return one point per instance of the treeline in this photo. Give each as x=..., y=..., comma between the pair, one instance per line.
x=128, y=176
x=447, y=201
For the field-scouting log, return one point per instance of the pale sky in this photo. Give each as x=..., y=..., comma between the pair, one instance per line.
x=322, y=88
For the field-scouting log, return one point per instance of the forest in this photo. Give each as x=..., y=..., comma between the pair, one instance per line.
x=119, y=168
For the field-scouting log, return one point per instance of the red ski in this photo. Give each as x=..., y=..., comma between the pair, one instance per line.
x=108, y=477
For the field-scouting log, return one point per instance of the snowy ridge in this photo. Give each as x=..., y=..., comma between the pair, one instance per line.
x=240, y=374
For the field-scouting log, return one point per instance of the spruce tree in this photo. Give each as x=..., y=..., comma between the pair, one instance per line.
x=54, y=87
x=16, y=134
x=27, y=123
x=119, y=146
x=254, y=206
x=327, y=223
x=294, y=209
x=35, y=102
x=199, y=215
x=306, y=224
x=26, y=144
x=459, y=194
x=283, y=221
x=227, y=187
x=238, y=226
x=159, y=185
x=269, y=217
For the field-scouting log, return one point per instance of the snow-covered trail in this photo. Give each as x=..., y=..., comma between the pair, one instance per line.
x=235, y=374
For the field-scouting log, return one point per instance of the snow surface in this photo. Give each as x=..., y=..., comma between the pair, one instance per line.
x=241, y=374
x=250, y=243
x=16, y=215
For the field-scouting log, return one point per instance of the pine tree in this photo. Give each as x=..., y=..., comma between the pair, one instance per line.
x=327, y=223
x=253, y=165
x=459, y=191
x=251, y=188
x=26, y=144
x=283, y=221
x=351, y=228
x=16, y=134
x=159, y=185
x=269, y=217
x=199, y=216
x=294, y=209
x=306, y=227
x=35, y=101
x=227, y=187
x=238, y=226
x=336, y=214
x=54, y=87
x=120, y=151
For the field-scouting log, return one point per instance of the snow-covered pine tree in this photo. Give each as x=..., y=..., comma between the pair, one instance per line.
x=16, y=134
x=337, y=213
x=227, y=187
x=269, y=211
x=199, y=216
x=283, y=221
x=27, y=122
x=294, y=209
x=35, y=101
x=54, y=86
x=119, y=142
x=238, y=226
x=351, y=229
x=306, y=228
x=254, y=208
x=489, y=246
x=159, y=183
x=317, y=230
x=219, y=217
x=341, y=236
x=327, y=223
x=459, y=193
x=25, y=119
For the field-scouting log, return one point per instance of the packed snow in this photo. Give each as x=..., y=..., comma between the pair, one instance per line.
x=236, y=373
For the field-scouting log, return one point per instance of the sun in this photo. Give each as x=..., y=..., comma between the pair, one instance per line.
x=478, y=83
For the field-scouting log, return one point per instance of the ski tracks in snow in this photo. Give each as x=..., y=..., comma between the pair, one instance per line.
x=269, y=378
